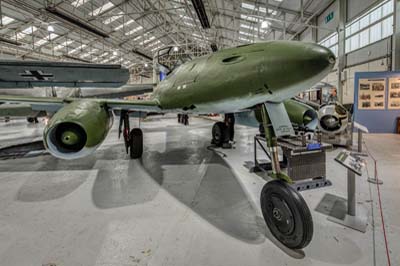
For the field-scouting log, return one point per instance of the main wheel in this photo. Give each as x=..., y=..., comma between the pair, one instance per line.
x=220, y=134
x=136, y=143
x=286, y=214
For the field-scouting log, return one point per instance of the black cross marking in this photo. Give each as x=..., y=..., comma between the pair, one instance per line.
x=36, y=75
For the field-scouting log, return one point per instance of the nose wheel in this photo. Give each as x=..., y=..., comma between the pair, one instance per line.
x=286, y=214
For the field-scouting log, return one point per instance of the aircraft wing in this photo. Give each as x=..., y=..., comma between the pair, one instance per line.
x=51, y=104
x=126, y=90
x=28, y=74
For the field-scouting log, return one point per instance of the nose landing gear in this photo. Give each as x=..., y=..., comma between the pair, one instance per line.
x=284, y=209
x=286, y=214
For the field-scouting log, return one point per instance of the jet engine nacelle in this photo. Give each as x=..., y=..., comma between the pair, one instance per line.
x=333, y=118
x=300, y=114
x=77, y=129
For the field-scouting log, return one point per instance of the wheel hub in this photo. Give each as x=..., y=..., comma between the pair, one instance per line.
x=282, y=216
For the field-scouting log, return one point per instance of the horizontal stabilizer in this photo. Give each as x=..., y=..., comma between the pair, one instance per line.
x=28, y=74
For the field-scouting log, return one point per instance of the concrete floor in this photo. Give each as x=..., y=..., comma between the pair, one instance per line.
x=181, y=204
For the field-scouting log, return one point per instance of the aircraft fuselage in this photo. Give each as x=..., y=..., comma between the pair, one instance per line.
x=238, y=78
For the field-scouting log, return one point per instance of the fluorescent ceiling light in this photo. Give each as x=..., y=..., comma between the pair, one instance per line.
x=124, y=24
x=134, y=30
x=113, y=18
x=253, y=19
x=261, y=9
x=244, y=39
x=102, y=9
x=64, y=44
x=265, y=24
x=77, y=3
x=77, y=49
x=246, y=33
x=6, y=20
x=176, y=48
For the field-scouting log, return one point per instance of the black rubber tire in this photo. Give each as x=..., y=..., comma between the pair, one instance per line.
x=220, y=134
x=286, y=214
x=136, y=143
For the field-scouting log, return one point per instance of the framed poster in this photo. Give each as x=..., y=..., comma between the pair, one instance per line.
x=394, y=93
x=372, y=94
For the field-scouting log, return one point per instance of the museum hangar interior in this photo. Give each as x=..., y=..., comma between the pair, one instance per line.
x=199, y=132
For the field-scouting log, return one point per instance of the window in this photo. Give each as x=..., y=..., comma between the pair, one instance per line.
x=373, y=26
x=331, y=42
x=387, y=27
x=364, y=38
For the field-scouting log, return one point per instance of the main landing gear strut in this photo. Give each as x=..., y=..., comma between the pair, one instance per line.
x=133, y=139
x=284, y=209
x=223, y=132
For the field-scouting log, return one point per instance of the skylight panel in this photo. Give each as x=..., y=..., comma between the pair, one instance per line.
x=113, y=18
x=137, y=38
x=103, y=54
x=27, y=31
x=156, y=48
x=124, y=24
x=6, y=20
x=253, y=19
x=134, y=30
x=102, y=9
x=246, y=33
x=154, y=43
x=46, y=39
x=77, y=49
x=244, y=39
x=248, y=6
x=148, y=40
x=64, y=44
x=78, y=3
x=84, y=55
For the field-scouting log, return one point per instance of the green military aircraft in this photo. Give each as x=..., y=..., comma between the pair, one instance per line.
x=248, y=77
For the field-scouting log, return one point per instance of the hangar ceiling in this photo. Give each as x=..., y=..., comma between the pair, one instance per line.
x=130, y=32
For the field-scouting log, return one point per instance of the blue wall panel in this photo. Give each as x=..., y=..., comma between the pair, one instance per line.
x=377, y=121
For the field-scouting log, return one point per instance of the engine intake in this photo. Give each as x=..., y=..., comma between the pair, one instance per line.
x=77, y=129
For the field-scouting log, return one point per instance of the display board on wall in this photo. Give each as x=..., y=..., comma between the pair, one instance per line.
x=371, y=94
x=394, y=93
x=377, y=100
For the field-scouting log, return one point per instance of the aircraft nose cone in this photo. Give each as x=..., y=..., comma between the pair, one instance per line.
x=324, y=54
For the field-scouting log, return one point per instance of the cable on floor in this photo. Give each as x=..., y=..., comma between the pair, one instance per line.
x=380, y=205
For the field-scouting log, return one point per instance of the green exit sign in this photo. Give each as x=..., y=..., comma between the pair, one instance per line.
x=329, y=17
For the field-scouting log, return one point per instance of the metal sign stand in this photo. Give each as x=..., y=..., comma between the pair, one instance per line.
x=350, y=217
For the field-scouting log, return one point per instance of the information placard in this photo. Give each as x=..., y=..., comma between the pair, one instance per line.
x=371, y=94
x=394, y=93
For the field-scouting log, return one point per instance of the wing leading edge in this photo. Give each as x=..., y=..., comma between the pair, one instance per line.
x=28, y=74
x=53, y=104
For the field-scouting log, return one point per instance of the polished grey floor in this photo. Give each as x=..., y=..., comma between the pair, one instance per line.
x=181, y=204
